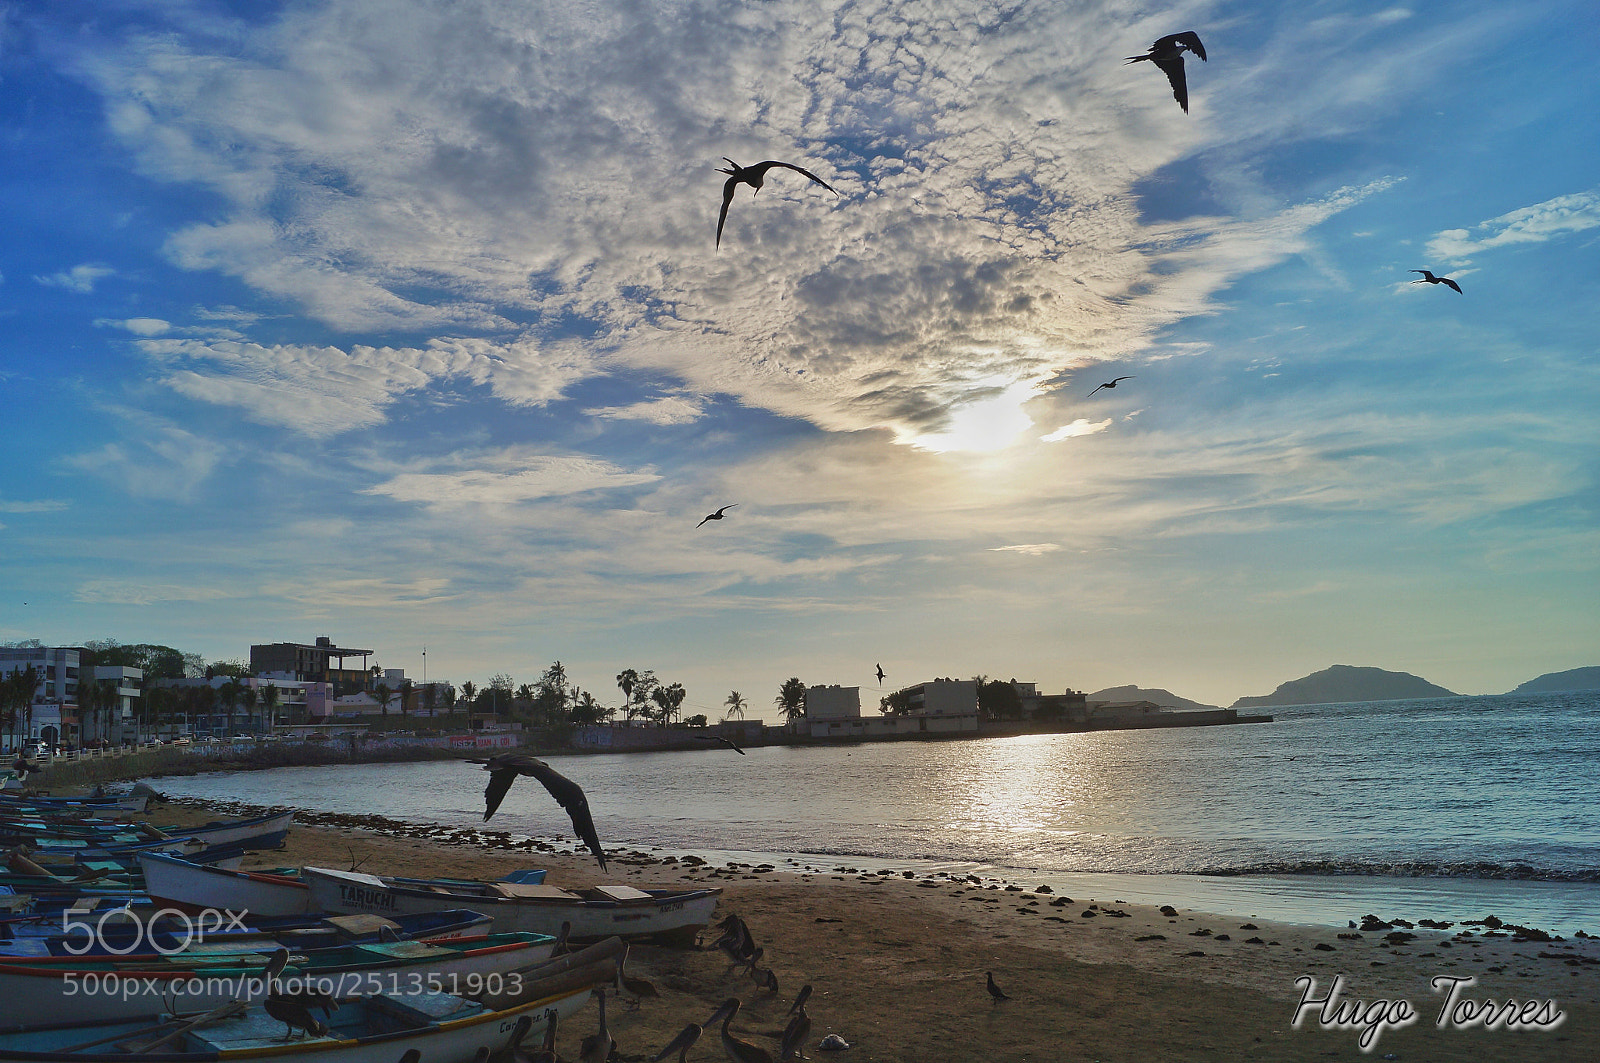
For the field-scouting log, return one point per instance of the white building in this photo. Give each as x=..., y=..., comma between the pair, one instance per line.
x=833, y=702
x=52, y=715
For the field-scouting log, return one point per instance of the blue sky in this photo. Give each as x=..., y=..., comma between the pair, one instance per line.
x=401, y=322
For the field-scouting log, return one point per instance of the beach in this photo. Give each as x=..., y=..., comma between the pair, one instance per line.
x=898, y=963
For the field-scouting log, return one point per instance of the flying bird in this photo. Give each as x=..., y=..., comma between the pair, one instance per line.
x=880, y=673
x=503, y=769
x=1112, y=383
x=754, y=176
x=730, y=743
x=1431, y=279
x=1167, y=53
x=718, y=514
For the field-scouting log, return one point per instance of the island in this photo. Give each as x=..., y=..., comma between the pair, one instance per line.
x=1344, y=683
x=1572, y=679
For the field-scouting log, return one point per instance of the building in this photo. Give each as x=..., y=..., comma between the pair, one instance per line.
x=295, y=701
x=52, y=715
x=118, y=716
x=944, y=697
x=833, y=702
x=940, y=707
x=310, y=664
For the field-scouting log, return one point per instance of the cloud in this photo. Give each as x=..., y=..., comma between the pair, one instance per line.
x=323, y=390
x=80, y=279
x=140, y=326
x=1029, y=549
x=127, y=592
x=1080, y=427
x=43, y=506
x=154, y=458
x=670, y=410
x=1542, y=221
x=506, y=478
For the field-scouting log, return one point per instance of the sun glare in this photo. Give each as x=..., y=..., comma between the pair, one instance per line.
x=982, y=425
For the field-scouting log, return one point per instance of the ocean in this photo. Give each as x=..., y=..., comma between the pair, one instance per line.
x=1446, y=808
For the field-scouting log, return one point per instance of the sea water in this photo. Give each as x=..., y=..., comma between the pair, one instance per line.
x=1446, y=808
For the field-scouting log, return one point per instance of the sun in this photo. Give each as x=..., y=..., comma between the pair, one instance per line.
x=982, y=425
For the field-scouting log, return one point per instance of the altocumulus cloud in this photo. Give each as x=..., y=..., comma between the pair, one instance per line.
x=545, y=166
x=507, y=478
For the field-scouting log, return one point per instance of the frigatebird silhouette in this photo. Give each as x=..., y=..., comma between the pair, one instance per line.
x=730, y=743
x=754, y=176
x=880, y=673
x=1112, y=383
x=1167, y=53
x=718, y=514
x=1431, y=279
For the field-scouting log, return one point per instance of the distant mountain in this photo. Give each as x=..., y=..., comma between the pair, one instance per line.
x=1344, y=682
x=1165, y=698
x=1575, y=679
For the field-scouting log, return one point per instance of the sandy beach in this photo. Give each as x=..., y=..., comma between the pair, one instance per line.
x=897, y=964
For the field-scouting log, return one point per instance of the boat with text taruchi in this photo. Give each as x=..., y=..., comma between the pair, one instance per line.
x=439, y=1027
x=192, y=887
x=666, y=916
x=71, y=989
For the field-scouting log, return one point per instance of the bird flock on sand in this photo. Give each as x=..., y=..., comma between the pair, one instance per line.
x=295, y=1010
x=1167, y=53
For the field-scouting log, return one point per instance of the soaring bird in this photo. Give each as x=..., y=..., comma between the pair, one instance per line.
x=681, y=1043
x=880, y=673
x=754, y=176
x=1112, y=383
x=1431, y=279
x=1167, y=53
x=596, y=1047
x=730, y=743
x=994, y=991
x=718, y=514
x=503, y=769
x=740, y=1051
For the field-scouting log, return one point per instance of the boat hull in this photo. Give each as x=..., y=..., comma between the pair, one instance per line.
x=195, y=887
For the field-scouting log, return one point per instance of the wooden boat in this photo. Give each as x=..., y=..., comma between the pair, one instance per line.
x=71, y=989
x=194, y=887
x=441, y=1027
x=665, y=916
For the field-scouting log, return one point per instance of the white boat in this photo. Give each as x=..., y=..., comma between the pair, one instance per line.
x=195, y=887
x=78, y=990
x=665, y=916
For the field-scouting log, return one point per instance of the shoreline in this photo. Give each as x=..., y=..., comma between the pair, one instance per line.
x=898, y=960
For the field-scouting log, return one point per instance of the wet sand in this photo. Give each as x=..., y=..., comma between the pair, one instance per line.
x=897, y=963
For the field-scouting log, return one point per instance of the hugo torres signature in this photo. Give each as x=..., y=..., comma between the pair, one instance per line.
x=1456, y=1011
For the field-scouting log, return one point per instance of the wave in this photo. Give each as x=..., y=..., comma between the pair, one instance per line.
x=1408, y=869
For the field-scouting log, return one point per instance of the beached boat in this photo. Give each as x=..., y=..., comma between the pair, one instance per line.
x=194, y=887
x=441, y=1027
x=72, y=989
x=665, y=916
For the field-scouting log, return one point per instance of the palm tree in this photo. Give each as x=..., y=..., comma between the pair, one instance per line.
x=627, y=679
x=670, y=700
x=269, y=705
x=383, y=695
x=736, y=705
x=430, y=695
x=449, y=699
x=469, y=695
x=408, y=693
x=791, y=699
x=229, y=694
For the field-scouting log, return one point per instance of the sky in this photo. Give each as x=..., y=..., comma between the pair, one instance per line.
x=401, y=322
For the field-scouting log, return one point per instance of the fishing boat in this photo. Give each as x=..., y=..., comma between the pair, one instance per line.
x=195, y=887
x=663, y=916
x=62, y=989
x=440, y=1027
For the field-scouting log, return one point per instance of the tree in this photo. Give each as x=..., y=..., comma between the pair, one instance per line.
x=408, y=694
x=228, y=694
x=697, y=720
x=449, y=698
x=627, y=679
x=469, y=695
x=669, y=699
x=383, y=695
x=736, y=705
x=269, y=705
x=586, y=710
x=997, y=699
x=500, y=687
x=895, y=704
x=249, y=695
x=791, y=699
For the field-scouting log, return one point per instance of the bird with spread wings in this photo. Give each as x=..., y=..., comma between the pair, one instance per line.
x=503, y=769
x=754, y=176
